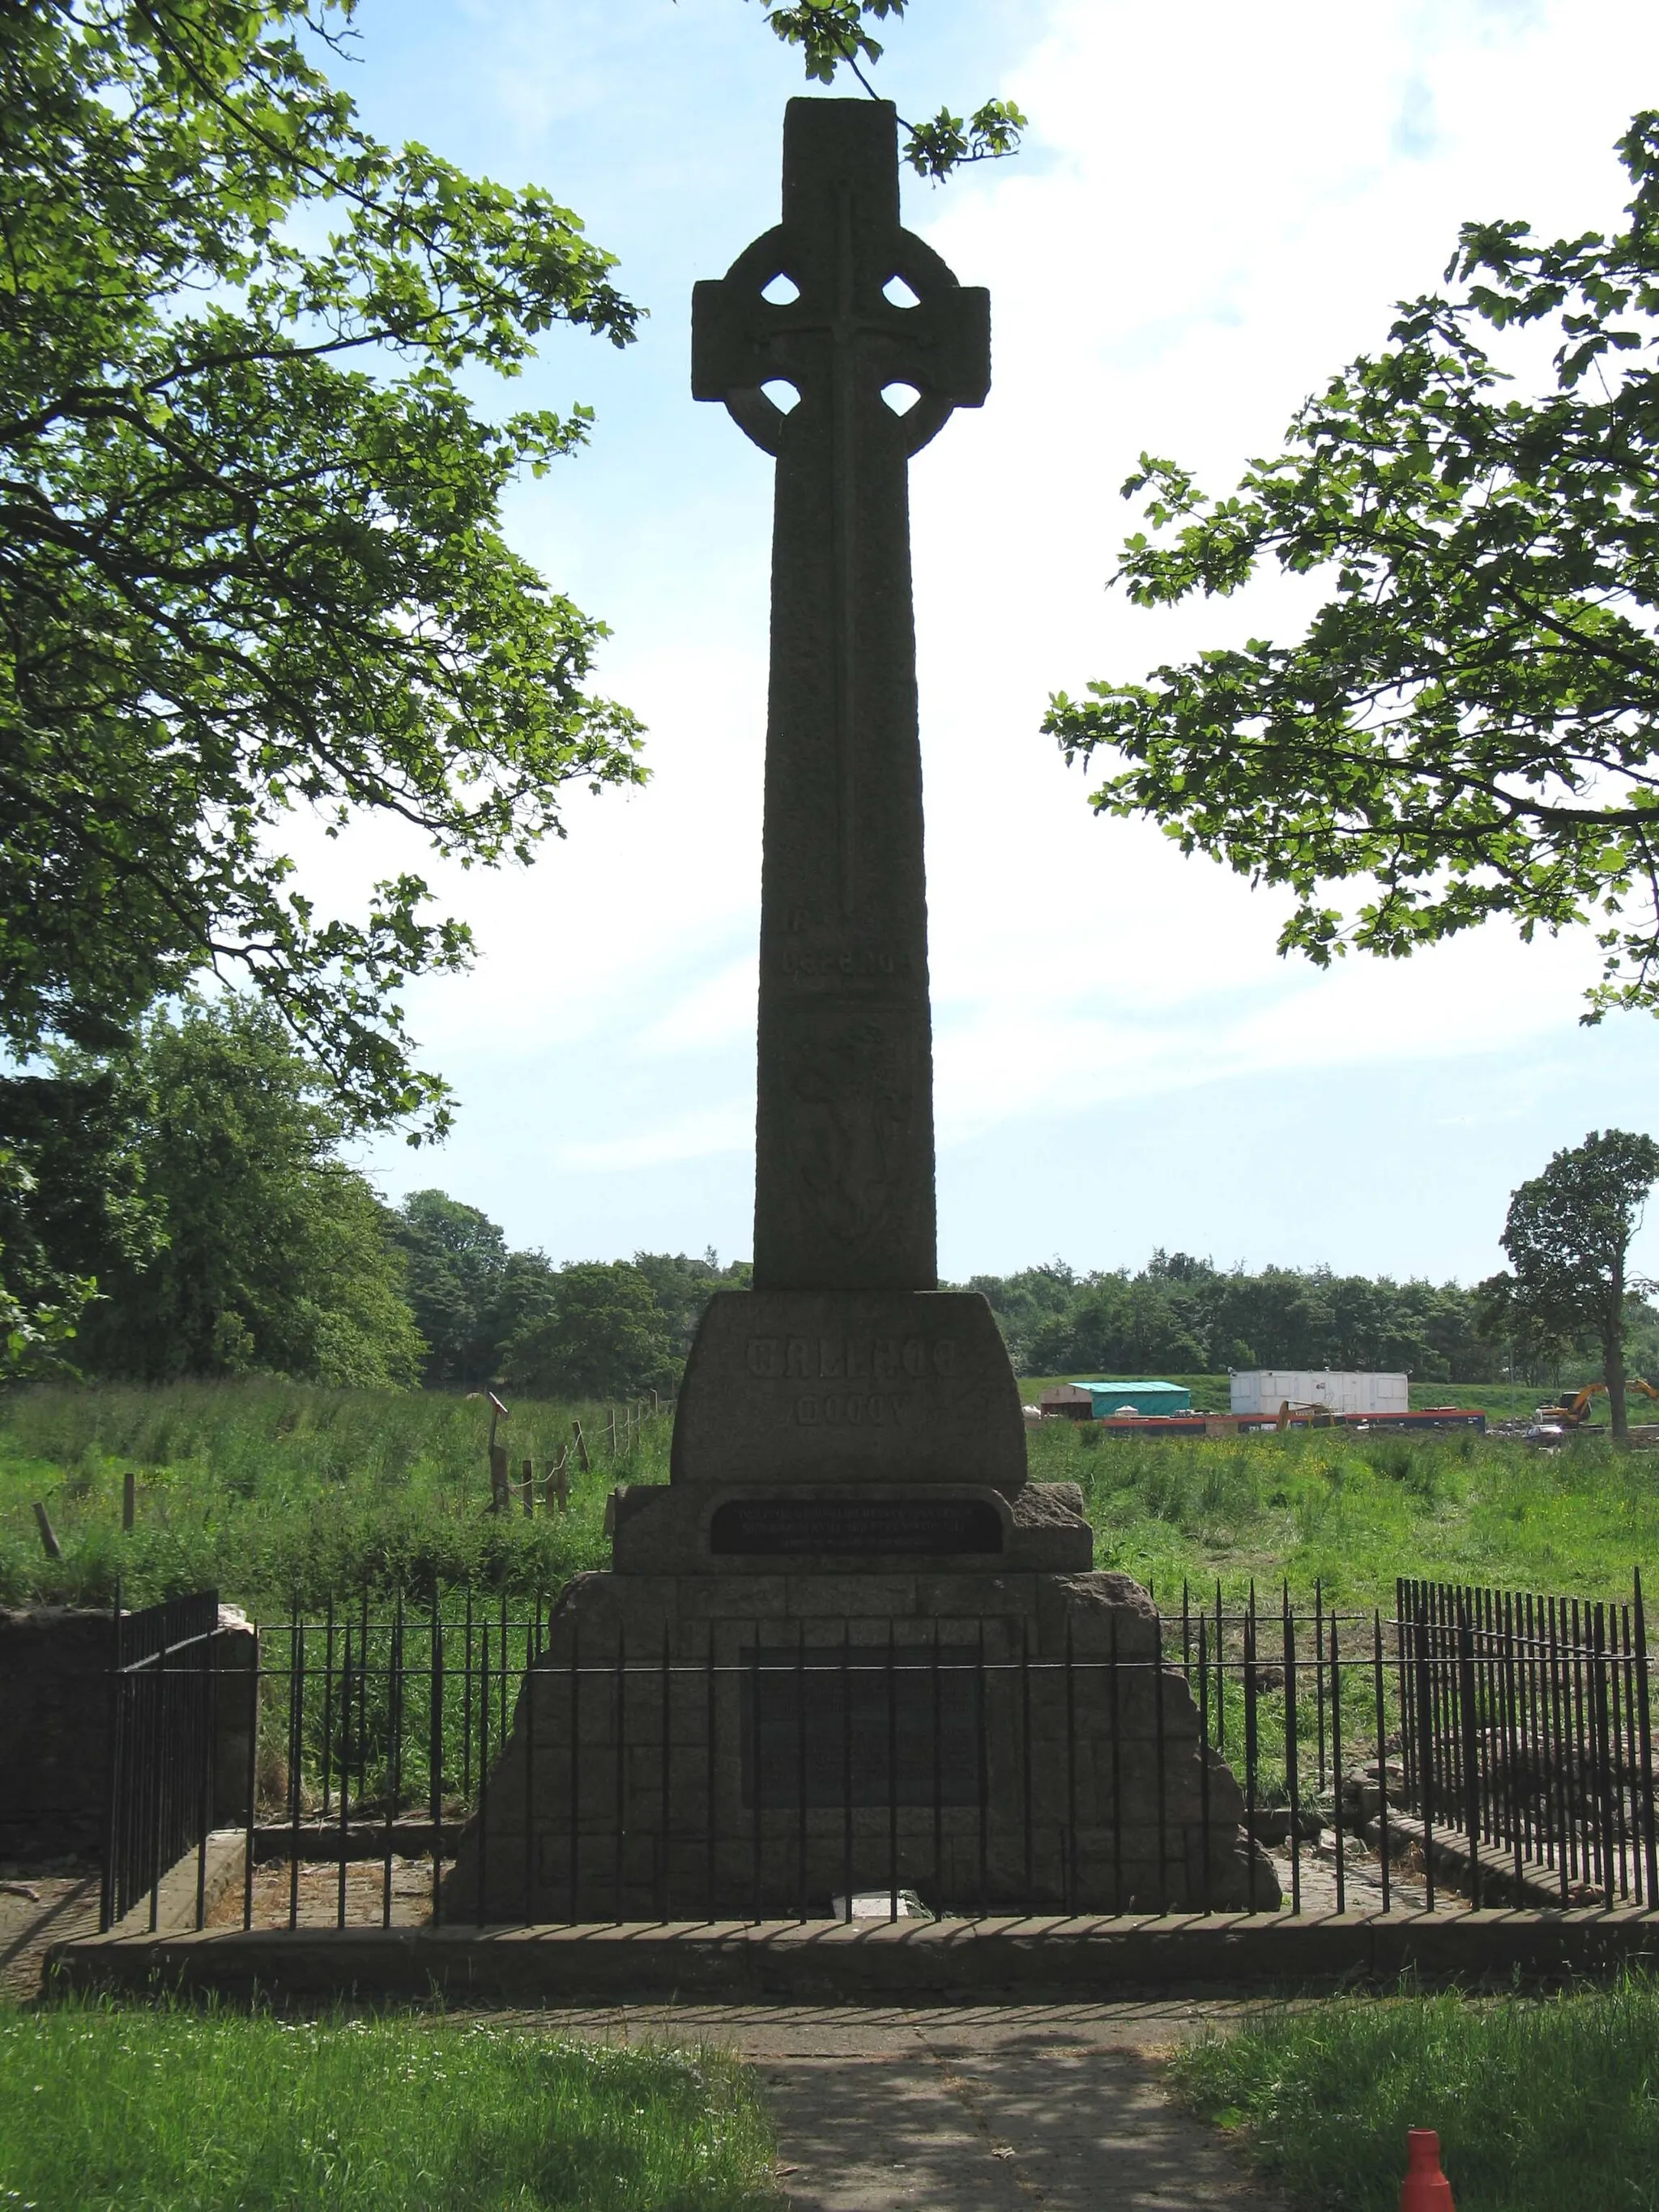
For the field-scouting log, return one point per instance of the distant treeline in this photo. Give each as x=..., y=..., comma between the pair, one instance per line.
x=1186, y=1316
x=185, y=1204
x=601, y=1328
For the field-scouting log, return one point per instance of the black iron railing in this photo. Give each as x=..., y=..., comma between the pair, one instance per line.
x=162, y=1747
x=1527, y=1724
x=386, y=1759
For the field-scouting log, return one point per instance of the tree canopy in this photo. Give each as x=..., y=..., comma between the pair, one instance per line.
x=1470, y=726
x=834, y=34
x=195, y=1179
x=455, y=1258
x=604, y=1336
x=250, y=557
x=1568, y=1236
x=1181, y=1315
x=470, y=1295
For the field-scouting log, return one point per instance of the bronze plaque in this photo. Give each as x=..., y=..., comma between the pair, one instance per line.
x=848, y=1528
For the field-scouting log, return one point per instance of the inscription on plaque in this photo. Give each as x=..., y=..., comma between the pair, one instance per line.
x=838, y=963
x=853, y=1410
x=857, y=1724
x=834, y=1358
x=770, y=1528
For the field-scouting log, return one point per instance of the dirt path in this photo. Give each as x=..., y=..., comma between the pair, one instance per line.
x=36, y=1911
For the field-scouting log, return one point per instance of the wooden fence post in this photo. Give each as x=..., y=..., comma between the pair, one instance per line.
x=500, y=1480
x=128, y=1500
x=581, y=1447
x=561, y=1479
x=53, y=1549
x=529, y=1487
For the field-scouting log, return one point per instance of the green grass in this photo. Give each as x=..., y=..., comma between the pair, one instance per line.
x=1548, y=2104
x=1353, y=1512
x=281, y=1494
x=169, y=2111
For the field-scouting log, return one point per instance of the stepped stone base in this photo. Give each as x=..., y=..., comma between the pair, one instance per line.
x=635, y=1786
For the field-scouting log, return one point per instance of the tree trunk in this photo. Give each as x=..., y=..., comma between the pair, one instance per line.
x=1612, y=1353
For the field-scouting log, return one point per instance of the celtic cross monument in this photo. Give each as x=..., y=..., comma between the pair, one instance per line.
x=844, y=1132
x=848, y=1645
x=844, y=1362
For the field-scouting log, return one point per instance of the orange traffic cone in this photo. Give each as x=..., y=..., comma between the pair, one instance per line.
x=1425, y=2189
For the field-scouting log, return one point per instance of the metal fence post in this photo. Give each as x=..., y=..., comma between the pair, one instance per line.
x=1646, y=1777
x=1470, y=1736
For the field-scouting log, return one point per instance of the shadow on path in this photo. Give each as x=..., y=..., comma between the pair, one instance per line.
x=992, y=2108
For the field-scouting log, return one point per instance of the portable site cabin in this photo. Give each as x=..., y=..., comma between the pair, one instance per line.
x=1098, y=1401
x=1265, y=1389
x=1069, y=1401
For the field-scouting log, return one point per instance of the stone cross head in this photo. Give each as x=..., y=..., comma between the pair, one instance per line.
x=841, y=341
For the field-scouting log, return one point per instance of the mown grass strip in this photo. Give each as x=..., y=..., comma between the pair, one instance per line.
x=1542, y=2104
x=170, y=2111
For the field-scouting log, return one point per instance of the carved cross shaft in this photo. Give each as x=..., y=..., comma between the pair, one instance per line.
x=844, y=1145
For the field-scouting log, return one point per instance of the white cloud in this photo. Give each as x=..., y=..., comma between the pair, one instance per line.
x=1218, y=209
x=717, y=1010
x=726, y=1128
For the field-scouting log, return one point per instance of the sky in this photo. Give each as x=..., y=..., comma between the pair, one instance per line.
x=1215, y=209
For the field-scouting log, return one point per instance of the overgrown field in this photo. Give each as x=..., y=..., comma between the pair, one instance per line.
x=162, y=2110
x=284, y=1495
x=1541, y=2105
x=1353, y=1512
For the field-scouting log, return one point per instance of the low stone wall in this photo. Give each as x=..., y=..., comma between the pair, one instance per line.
x=55, y=1693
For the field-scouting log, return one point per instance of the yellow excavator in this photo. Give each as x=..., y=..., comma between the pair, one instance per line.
x=1574, y=1413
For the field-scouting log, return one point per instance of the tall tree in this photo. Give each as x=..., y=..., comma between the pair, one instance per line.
x=471, y=1296
x=455, y=1258
x=682, y=1287
x=31, y=1329
x=249, y=550
x=1568, y=1237
x=196, y=1177
x=603, y=1336
x=1470, y=726
x=250, y=546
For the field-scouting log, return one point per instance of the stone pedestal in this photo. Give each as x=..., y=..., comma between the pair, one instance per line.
x=725, y=1726
x=790, y=1386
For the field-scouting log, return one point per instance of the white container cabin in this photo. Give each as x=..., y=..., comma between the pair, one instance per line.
x=1265, y=1389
